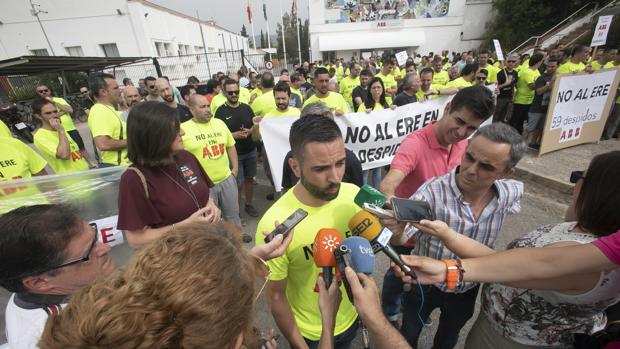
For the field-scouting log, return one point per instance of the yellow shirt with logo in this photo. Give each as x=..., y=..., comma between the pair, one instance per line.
x=524, y=94
x=47, y=142
x=264, y=103
x=297, y=266
x=65, y=118
x=388, y=83
x=570, y=67
x=208, y=142
x=459, y=82
x=441, y=78
x=4, y=130
x=104, y=120
x=217, y=101
x=334, y=101
x=17, y=160
x=347, y=85
x=290, y=111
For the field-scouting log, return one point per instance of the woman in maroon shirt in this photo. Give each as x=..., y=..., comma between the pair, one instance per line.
x=166, y=187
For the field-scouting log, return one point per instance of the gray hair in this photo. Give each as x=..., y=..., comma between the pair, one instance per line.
x=408, y=82
x=317, y=108
x=501, y=133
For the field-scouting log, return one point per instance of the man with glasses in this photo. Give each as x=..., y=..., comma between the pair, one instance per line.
x=47, y=252
x=481, y=77
x=87, y=101
x=238, y=117
x=152, y=90
x=506, y=82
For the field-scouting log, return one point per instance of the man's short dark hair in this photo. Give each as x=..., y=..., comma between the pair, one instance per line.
x=212, y=84
x=367, y=73
x=469, y=68
x=555, y=59
x=312, y=128
x=125, y=81
x=222, y=78
x=536, y=58
x=426, y=71
x=484, y=71
x=230, y=82
x=282, y=86
x=295, y=77
x=193, y=80
x=185, y=90
x=34, y=239
x=320, y=71
x=38, y=104
x=483, y=52
x=150, y=78
x=410, y=64
x=283, y=71
x=266, y=80
x=96, y=82
x=577, y=49
x=151, y=128
x=476, y=99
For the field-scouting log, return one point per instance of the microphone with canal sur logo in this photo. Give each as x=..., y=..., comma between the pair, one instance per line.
x=326, y=241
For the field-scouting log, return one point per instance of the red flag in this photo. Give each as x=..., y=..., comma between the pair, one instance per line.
x=294, y=8
x=249, y=9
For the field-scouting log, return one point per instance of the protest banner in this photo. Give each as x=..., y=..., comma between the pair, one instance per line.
x=401, y=58
x=602, y=28
x=498, y=50
x=578, y=109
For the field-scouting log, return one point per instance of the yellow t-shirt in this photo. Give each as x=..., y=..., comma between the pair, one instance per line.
x=347, y=85
x=208, y=142
x=104, y=120
x=290, y=111
x=217, y=101
x=458, y=82
x=334, y=101
x=492, y=77
x=264, y=103
x=47, y=142
x=339, y=72
x=396, y=72
x=596, y=65
x=4, y=130
x=256, y=92
x=570, y=67
x=297, y=266
x=297, y=92
x=244, y=95
x=610, y=65
x=362, y=107
x=65, y=118
x=388, y=82
x=441, y=78
x=17, y=160
x=524, y=94
x=447, y=66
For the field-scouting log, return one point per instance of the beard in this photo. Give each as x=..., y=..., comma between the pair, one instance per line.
x=168, y=99
x=282, y=106
x=319, y=192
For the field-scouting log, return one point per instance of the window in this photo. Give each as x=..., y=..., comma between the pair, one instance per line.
x=110, y=50
x=199, y=49
x=159, y=46
x=184, y=50
x=75, y=51
x=168, y=49
x=39, y=52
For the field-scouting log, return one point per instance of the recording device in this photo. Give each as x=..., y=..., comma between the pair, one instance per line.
x=285, y=227
x=343, y=260
x=367, y=226
x=326, y=241
x=378, y=211
x=411, y=210
x=354, y=252
x=370, y=195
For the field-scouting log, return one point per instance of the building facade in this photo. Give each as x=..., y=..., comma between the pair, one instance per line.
x=357, y=28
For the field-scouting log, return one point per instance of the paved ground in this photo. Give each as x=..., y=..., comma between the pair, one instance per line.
x=541, y=205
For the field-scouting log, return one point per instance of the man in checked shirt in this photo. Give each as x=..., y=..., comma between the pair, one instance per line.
x=473, y=199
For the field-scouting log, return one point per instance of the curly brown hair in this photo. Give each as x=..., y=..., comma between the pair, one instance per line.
x=192, y=288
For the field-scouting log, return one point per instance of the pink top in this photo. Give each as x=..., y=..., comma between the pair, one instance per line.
x=420, y=157
x=610, y=246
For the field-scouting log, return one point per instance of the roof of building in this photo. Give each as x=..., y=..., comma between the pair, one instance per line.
x=31, y=65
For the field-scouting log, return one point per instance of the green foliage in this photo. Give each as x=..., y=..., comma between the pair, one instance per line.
x=25, y=89
x=22, y=93
x=290, y=34
x=244, y=31
x=513, y=22
x=263, y=42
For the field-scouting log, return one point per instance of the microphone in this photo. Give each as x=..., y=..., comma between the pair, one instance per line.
x=325, y=242
x=368, y=194
x=367, y=226
x=362, y=255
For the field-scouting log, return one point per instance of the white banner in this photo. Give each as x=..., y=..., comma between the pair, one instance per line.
x=602, y=28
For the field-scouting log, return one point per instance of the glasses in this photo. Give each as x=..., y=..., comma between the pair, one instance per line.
x=84, y=92
x=262, y=269
x=42, y=91
x=511, y=61
x=232, y=93
x=83, y=259
x=575, y=176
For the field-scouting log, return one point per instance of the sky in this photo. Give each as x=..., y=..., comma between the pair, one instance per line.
x=231, y=14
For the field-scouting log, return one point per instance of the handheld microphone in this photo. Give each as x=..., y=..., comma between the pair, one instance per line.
x=370, y=195
x=325, y=242
x=362, y=255
x=367, y=226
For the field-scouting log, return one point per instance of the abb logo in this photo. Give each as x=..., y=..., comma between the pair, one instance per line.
x=107, y=231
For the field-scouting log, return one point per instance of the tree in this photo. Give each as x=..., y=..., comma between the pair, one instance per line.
x=244, y=32
x=513, y=22
x=290, y=35
x=263, y=42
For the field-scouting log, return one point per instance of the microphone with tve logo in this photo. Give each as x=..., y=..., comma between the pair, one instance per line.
x=325, y=242
x=367, y=226
x=354, y=252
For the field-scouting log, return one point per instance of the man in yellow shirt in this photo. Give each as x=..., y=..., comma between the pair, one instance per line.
x=212, y=143
x=282, y=94
x=17, y=160
x=430, y=90
x=333, y=100
x=349, y=83
x=295, y=100
x=339, y=70
x=389, y=82
x=599, y=61
x=440, y=76
x=468, y=74
x=108, y=129
x=265, y=102
x=483, y=63
x=219, y=99
x=52, y=140
x=4, y=130
x=524, y=97
x=575, y=63
x=316, y=142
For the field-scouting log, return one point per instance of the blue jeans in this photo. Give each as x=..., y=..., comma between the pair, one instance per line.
x=341, y=341
x=392, y=291
x=375, y=176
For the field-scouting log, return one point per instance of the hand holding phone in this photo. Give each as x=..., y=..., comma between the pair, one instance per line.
x=411, y=210
x=285, y=227
x=378, y=211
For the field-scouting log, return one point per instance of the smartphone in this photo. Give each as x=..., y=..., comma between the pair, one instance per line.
x=343, y=260
x=378, y=211
x=285, y=227
x=411, y=210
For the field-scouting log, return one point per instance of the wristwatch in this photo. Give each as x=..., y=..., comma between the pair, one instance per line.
x=454, y=273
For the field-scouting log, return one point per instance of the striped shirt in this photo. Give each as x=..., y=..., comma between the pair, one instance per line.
x=448, y=205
